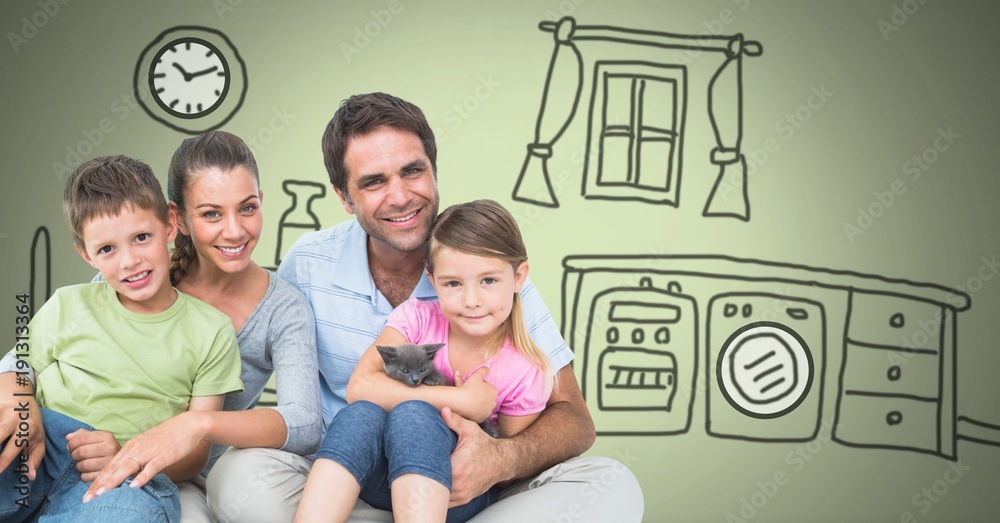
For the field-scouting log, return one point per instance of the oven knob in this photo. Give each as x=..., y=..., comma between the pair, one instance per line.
x=613, y=335
x=729, y=310
x=638, y=336
x=662, y=335
x=797, y=313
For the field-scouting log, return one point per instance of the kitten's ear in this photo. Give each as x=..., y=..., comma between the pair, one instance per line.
x=388, y=352
x=431, y=348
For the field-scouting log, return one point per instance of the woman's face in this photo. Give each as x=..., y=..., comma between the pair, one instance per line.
x=222, y=216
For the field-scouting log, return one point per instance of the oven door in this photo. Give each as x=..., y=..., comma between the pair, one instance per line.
x=640, y=359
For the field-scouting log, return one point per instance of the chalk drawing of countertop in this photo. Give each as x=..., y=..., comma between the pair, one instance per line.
x=766, y=351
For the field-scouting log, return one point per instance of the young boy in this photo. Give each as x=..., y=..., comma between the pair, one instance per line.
x=119, y=356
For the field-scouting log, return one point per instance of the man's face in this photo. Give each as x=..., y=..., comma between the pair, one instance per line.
x=391, y=189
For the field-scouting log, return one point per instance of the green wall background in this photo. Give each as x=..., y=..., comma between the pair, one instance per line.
x=893, y=91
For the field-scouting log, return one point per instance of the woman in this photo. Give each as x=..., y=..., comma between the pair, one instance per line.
x=216, y=199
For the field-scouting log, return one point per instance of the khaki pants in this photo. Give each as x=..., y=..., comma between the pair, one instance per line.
x=250, y=485
x=194, y=503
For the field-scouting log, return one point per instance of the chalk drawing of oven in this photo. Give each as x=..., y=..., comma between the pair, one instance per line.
x=640, y=362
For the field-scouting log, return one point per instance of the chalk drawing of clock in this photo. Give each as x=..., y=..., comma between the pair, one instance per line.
x=191, y=79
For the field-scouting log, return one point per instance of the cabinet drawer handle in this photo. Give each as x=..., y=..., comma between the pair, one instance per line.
x=894, y=373
x=897, y=320
x=894, y=418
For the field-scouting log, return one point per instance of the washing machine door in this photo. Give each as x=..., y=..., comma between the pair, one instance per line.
x=765, y=370
x=766, y=355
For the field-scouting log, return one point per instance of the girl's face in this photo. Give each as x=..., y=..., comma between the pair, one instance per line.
x=222, y=216
x=475, y=292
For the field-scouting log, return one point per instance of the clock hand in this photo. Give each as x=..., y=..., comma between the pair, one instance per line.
x=200, y=73
x=187, y=76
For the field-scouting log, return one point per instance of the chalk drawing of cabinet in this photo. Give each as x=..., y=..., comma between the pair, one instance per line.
x=637, y=131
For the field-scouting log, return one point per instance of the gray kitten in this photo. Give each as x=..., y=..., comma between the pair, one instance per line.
x=414, y=364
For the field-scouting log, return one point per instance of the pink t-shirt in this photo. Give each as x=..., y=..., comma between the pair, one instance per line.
x=521, y=387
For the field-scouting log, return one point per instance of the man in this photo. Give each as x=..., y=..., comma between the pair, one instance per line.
x=381, y=157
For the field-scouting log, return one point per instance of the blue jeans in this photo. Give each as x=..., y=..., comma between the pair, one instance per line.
x=56, y=493
x=377, y=447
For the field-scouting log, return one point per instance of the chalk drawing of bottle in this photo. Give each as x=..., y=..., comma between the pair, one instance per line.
x=297, y=220
x=40, y=269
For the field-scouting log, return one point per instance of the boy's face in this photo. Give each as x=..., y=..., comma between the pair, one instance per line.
x=131, y=252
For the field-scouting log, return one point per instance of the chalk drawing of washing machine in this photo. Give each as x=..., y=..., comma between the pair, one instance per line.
x=764, y=367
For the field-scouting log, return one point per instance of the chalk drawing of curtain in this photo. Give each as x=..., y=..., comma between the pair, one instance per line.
x=565, y=76
x=729, y=194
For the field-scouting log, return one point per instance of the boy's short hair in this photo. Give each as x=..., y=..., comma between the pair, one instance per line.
x=104, y=185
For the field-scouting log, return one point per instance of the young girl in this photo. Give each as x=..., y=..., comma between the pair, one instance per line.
x=401, y=459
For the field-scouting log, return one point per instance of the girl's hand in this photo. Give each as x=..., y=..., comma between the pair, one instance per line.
x=480, y=396
x=91, y=450
x=148, y=454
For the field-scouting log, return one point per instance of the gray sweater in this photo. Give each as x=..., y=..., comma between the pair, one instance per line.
x=279, y=337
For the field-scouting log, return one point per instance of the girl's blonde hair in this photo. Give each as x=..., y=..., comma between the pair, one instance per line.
x=485, y=228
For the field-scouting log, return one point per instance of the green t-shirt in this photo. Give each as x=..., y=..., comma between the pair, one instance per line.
x=124, y=372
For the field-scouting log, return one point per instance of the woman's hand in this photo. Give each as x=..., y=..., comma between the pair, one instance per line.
x=91, y=450
x=149, y=453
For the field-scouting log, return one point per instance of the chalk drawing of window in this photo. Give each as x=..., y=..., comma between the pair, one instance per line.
x=637, y=123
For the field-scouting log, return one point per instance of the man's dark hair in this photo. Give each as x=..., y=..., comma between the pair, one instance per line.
x=362, y=114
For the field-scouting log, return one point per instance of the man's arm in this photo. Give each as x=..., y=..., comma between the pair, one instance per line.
x=562, y=431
